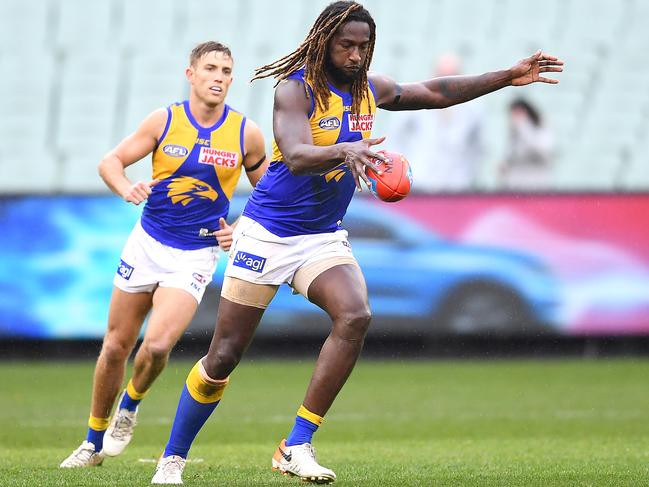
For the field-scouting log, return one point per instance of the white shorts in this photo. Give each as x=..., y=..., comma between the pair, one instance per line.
x=262, y=257
x=146, y=263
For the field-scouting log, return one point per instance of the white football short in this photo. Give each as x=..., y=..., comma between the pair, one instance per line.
x=146, y=263
x=261, y=257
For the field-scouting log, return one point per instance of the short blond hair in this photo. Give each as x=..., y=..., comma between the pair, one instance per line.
x=204, y=47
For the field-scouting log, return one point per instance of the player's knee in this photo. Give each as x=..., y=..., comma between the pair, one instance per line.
x=354, y=324
x=158, y=351
x=115, y=351
x=220, y=362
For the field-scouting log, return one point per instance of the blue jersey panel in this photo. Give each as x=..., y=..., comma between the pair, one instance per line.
x=289, y=205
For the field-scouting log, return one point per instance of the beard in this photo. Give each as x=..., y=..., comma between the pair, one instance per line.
x=339, y=75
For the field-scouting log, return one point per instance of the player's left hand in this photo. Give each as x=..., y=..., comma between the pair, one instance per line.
x=224, y=234
x=529, y=70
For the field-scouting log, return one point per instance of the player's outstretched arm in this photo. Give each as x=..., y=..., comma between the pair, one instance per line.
x=255, y=162
x=130, y=150
x=293, y=136
x=451, y=90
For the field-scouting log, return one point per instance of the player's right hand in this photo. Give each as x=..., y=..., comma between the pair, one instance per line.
x=358, y=156
x=139, y=191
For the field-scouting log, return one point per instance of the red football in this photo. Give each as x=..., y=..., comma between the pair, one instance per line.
x=394, y=183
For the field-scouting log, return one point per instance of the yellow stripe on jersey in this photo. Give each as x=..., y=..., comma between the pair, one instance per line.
x=202, y=388
x=176, y=145
x=328, y=126
x=309, y=416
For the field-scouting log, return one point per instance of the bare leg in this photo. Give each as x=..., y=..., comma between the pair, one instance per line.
x=125, y=317
x=342, y=293
x=172, y=312
x=235, y=327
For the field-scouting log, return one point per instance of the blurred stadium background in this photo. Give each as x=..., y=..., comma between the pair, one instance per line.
x=483, y=274
x=79, y=75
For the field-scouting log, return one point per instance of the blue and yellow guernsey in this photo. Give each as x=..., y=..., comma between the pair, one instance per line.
x=198, y=168
x=288, y=205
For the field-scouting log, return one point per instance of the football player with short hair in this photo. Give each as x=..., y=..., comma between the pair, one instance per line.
x=198, y=147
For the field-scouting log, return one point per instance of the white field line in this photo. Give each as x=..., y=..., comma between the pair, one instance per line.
x=155, y=460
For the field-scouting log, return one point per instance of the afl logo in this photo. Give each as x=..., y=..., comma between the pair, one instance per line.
x=175, y=150
x=329, y=123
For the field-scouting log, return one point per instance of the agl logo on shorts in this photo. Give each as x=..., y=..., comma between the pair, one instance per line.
x=249, y=261
x=124, y=270
x=218, y=157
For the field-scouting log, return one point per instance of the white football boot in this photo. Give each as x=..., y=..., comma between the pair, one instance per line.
x=300, y=460
x=169, y=470
x=84, y=456
x=120, y=431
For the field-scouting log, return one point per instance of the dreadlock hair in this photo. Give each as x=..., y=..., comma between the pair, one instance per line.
x=312, y=54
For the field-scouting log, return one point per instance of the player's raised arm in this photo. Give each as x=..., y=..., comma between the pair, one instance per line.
x=294, y=138
x=130, y=150
x=451, y=90
x=255, y=162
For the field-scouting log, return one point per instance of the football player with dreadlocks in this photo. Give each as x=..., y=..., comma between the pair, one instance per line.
x=290, y=231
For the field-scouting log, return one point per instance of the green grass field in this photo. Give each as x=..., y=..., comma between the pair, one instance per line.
x=420, y=423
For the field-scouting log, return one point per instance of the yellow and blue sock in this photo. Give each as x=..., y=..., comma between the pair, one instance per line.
x=131, y=399
x=199, y=397
x=306, y=423
x=96, y=429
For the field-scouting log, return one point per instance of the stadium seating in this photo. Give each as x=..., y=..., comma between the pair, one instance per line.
x=26, y=25
x=86, y=26
x=28, y=158
x=89, y=71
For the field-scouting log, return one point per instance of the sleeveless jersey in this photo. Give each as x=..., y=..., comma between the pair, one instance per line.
x=198, y=168
x=289, y=205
